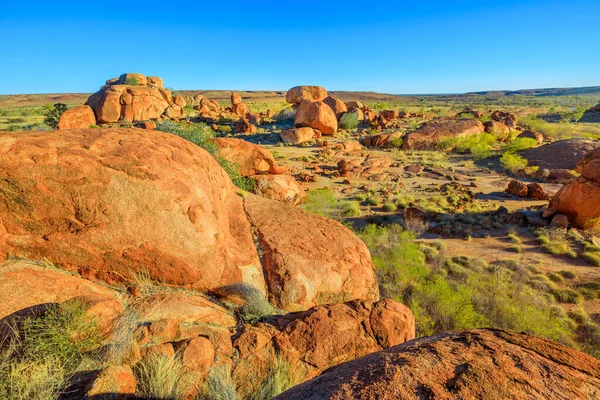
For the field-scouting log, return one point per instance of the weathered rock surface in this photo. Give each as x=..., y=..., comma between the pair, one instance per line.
x=477, y=364
x=77, y=117
x=563, y=154
x=316, y=115
x=28, y=287
x=279, y=187
x=431, y=133
x=532, y=190
x=579, y=200
x=382, y=139
x=113, y=383
x=321, y=337
x=298, y=94
x=252, y=158
x=313, y=261
x=338, y=106
x=299, y=135
x=500, y=129
x=110, y=202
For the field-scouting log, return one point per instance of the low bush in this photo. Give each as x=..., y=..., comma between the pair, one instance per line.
x=162, y=377
x=513, y=162
x=349, y=120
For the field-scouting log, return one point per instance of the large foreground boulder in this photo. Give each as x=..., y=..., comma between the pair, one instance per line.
x=563, y=154
x=298, y=94
x=107, y=203
x=251, y=158
x=579, y=200
x=431, y=133
x=313, y=260
x=477, y=364
x=316, y=115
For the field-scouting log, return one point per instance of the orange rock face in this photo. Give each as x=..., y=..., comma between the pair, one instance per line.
x=29, y=287
x=579, y=200
x=321, y=337
x=240, y=109
x=235, y=98
x=77, y=117
x=313, y=261
x=108, y=202
x=428, y=135
x=299, y=135
x=279, y=187
x=562, y=154
x=477, y=364
x=298, y=94
x=381, y=139
x=113, y=382
x=316, y=115
x=538, y=137
x=251, y=158
x=338, y=106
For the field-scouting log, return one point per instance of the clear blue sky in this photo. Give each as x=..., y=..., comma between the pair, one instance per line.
x=401, y=47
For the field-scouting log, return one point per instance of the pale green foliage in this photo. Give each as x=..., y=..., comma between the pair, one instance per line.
x=219, y=385
x=513, y=162
x=349, y=120
x=279, y=379
x=201, y=135
x=162, y=377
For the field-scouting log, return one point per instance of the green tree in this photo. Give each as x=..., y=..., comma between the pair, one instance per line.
x=53, y=114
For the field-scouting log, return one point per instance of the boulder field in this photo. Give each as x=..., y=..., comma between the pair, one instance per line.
x=108, y=212
x=431, y=133
x=109, y=203
x=477, y=364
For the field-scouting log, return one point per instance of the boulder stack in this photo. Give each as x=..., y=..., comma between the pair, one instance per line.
x=134, y=97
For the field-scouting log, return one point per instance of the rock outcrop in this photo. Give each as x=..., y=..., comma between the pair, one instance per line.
x=431, y=133
x=313, y=260
x=133, y=97
x=532, y=190
x=77, y=118
x=393, y=139
x=477, y=364
x=109, y=202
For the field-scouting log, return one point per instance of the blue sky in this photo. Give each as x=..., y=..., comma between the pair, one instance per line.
x=401, y=47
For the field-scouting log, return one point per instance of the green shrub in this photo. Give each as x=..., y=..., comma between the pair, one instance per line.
x=390, y=207
x=520, y=144
x=349, y=120
x=554, y=277
x=64, y=332
x=567, y=274
x=132, y=81
x=40, y=355
x=513, y=162
x=567, y=296
x=53, y=113
x=278, y=379
x=219, y=385
x=224, y=128
x=321, y=201
x=162, y=377
x=201, y=135
x=592, y=257
x=351, y=209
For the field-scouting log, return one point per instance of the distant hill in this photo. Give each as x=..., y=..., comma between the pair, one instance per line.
x=587, y=90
